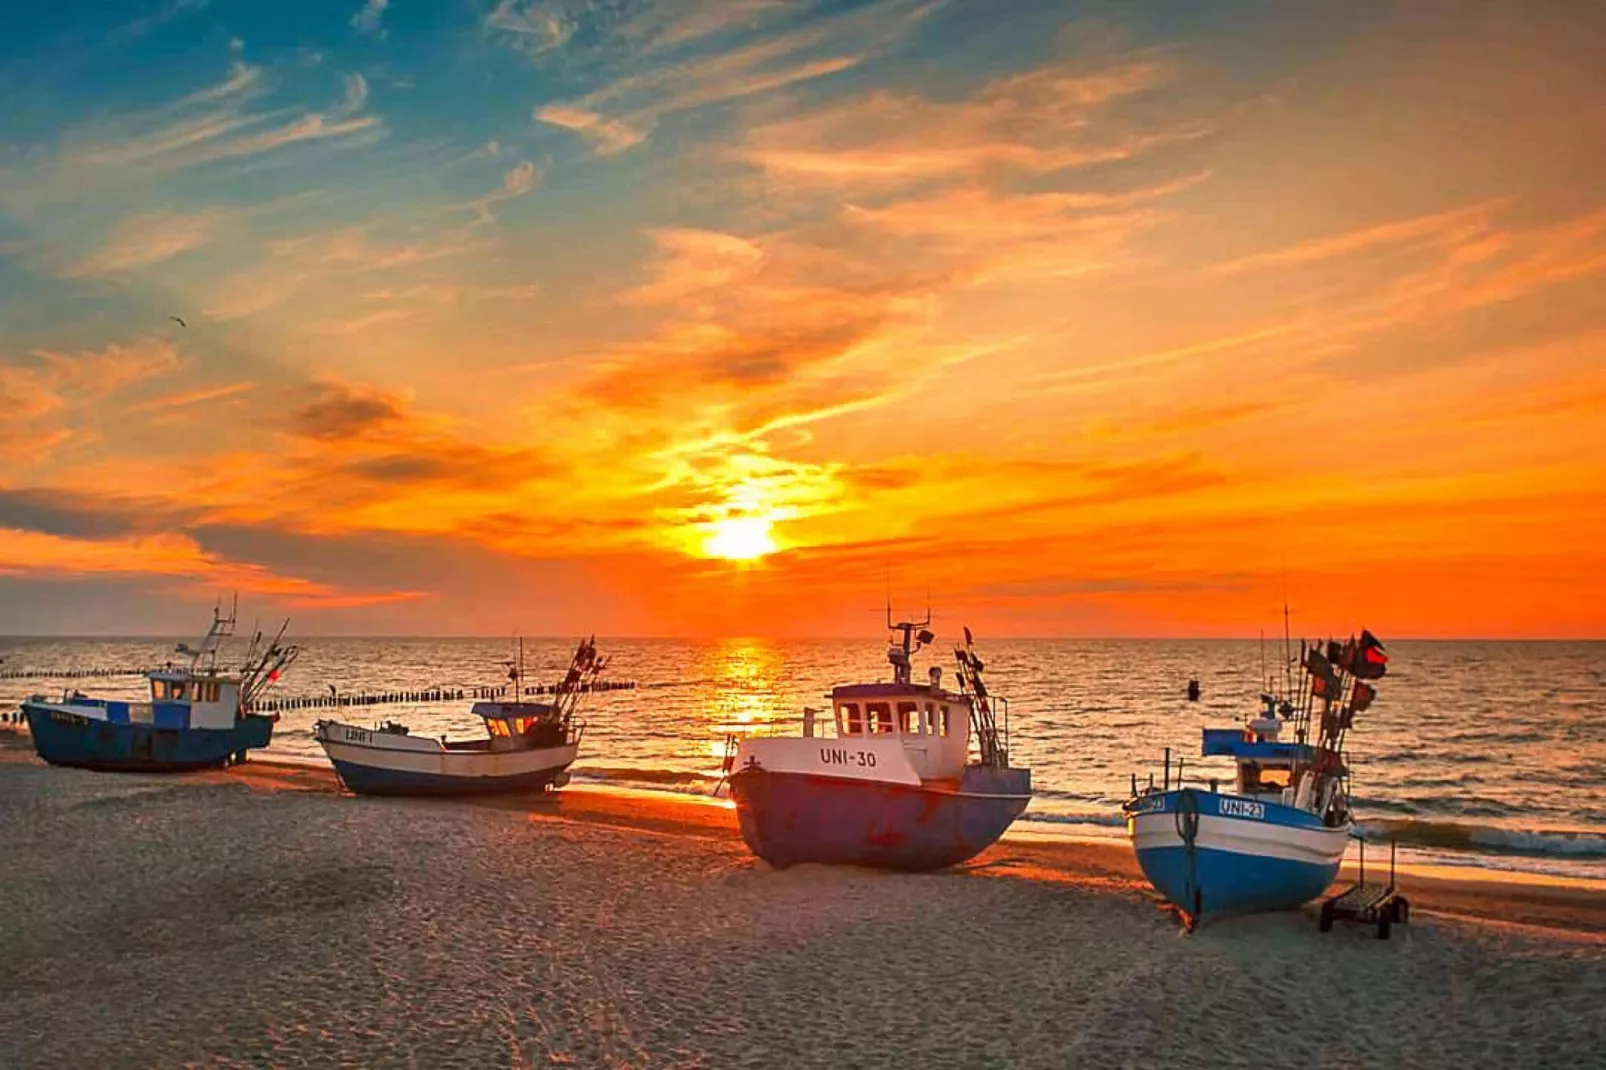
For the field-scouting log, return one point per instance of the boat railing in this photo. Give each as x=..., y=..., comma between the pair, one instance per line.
x=811, y=721
x=1174, y=775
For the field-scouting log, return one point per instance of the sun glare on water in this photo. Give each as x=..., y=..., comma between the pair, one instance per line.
x=740, y=539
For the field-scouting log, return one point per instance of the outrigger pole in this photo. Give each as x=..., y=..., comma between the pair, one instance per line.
x=993, y=751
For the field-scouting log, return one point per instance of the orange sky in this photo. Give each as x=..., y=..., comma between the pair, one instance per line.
x=1121, y=322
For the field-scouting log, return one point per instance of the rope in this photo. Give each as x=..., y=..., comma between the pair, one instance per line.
x=1187, y=823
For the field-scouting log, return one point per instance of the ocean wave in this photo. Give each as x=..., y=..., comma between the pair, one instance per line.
x=1115, y=820
x=667, y=778
x=1486, y=838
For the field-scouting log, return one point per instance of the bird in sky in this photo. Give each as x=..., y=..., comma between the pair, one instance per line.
x=179, y=321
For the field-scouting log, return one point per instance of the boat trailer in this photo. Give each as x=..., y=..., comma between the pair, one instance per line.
x=1376, y=904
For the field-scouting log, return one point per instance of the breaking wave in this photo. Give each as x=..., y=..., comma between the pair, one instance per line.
x=1113, y=820
x=1447, y=835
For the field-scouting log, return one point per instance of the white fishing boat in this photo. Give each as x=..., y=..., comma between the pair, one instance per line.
x=528, y=746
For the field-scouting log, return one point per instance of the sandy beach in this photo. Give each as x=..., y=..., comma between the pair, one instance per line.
x=259, y=917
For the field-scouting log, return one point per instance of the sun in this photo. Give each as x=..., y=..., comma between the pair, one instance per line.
x=740, y=538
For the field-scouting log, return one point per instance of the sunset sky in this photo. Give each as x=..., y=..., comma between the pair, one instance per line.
x=730, y=317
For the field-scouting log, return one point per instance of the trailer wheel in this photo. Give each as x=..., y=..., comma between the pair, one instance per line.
x=1384, y=924
x=1325, y=922
x=1402, y=911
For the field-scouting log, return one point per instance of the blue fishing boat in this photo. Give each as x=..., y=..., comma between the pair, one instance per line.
x=1276, y=839
x=528, y=746
x=895, y=785
x=197, y=716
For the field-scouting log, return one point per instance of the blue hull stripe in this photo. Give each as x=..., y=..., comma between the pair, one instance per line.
x=1231, y=883
x=790, y=818
x=369, y=780
x=62, y=739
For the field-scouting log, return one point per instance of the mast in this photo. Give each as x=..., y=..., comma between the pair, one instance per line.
x=222, y=627
x=1288, y=653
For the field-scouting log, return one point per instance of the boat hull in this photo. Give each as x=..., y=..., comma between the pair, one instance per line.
x=788, y=818
x=1246, y=855
x=444, y=773
x=63, y=738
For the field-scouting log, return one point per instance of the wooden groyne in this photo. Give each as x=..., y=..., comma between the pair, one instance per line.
x=68, y=674
x=337, y=700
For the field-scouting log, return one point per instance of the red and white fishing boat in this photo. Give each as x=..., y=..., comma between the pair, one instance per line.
x=894, y=783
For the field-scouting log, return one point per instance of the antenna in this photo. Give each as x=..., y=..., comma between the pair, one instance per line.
x=1288, y=654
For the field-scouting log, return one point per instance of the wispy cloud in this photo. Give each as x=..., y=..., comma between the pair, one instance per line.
x=369, y=18
x=356, y=95
x=606, y=136
x=147, y=239
x=187, y=398
x=515, y=183
x=623, y=113
x=213, y=124
x=1039, y=122
x=51, y=396
x=1441, y=228
x=533, y=26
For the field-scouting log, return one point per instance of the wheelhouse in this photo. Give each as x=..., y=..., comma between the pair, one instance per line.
x=520, y=725
x=898, y=710
x=213, y=701
x=1265, y=764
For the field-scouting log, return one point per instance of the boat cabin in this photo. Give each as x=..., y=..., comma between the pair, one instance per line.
x=517, y=726
x=1265, y=763
x=932, y=722
x=197, y=700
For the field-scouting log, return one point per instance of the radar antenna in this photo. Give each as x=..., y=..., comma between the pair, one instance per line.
x=913, y=636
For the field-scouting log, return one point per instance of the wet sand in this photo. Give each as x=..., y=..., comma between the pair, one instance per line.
x=259, y=917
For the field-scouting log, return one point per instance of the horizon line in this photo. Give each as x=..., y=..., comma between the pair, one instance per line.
x=566, y=637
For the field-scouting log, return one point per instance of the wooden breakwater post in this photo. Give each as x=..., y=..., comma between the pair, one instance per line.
x=339, y=700
x=69, y=674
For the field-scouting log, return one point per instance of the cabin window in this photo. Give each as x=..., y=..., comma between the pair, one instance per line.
x=850, y=713
x=909, y=718
x=931, y=718
x=878, y=717
x=178, y=690
x=497, y=728
x=1257, y=778
x=159, y=690
x=942, y=720
x=207, y=691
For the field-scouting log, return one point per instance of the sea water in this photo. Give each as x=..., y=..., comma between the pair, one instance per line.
x=1478, y=753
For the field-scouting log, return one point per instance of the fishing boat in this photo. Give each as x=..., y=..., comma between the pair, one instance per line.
x=894, y=786
x=1276, y=839
x=528, y=746
x=197, y=716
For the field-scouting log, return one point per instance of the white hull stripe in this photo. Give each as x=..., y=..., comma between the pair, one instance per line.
x=454, y=763
x=1324, y=846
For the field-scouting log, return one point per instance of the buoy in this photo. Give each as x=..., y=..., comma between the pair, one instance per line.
x=1193, y=690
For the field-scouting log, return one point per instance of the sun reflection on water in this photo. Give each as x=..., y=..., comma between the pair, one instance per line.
x=749, y=702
